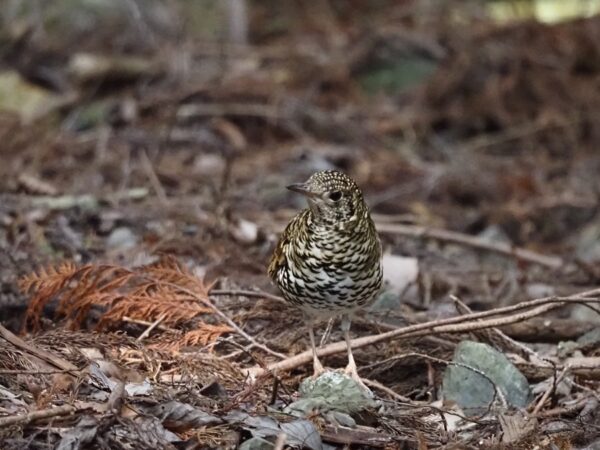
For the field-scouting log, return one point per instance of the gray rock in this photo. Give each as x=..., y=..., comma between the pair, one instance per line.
x=473, y=392
x=494, y=233
x=121, y=238
x=332, y=391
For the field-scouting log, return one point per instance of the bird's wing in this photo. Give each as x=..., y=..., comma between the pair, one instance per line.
x=278, y=259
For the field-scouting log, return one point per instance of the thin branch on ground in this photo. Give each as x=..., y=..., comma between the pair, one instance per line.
x=22, y=419
x=151, y=327
x=147, y=324
x=565, y=410
x=377, y=385
x=497, y=392
x=44, y=355
x=460, y=324
x=35, y=371
x=534, y=357
x=223, y=316
x=552, y=388
x=553, y=262
x=454, y=237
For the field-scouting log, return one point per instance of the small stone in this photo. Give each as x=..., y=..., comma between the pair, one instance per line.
x=332, y=391
x=23, y=98
x=121, y=238
x=399, y=272
x=209, y=164
x=473, y=392
x=245, y=232
x=494, y=233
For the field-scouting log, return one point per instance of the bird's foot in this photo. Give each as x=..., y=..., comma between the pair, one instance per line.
x=318, y=369
x=352, y=372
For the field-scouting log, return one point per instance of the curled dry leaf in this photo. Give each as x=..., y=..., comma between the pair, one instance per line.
x=205, y=334
x=300, y=432
x=182, y=416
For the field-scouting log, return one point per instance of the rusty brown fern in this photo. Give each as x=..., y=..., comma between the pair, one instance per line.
x=166, y=289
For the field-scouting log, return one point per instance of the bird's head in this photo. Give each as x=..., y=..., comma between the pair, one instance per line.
x=333, y=197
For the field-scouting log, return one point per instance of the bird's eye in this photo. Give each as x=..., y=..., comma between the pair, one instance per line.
x=335, y=196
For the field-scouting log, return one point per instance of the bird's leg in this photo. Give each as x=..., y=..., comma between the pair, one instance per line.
x=351, y=367
x=318, y=368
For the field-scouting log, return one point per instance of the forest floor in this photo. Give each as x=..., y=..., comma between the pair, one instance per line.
x=141, y=199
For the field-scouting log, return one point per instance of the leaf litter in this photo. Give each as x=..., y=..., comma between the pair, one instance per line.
x=138, y=211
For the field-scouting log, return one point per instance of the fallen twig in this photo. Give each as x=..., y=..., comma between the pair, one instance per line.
x=151, y=327
x=460, y=324
x=552, y=388
x=511, y=343
x=521, y=254
x=44, y=355
x=268, y=112
x=146, y=323
x=359, y=435
x=497, y=392
x=153, y=178
x=377, y=385
x=23, y=419
x=223, y=316
x=85, y=200
x=553, y=262
x=33, y=372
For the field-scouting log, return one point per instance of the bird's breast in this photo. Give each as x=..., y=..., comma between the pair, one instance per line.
x=330, y=274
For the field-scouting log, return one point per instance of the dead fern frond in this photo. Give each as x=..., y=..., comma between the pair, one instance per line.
x=166, y=289
x=169, y=270
x=50, y=279
x=201, y=336
x=48, y=283
x=175, y=310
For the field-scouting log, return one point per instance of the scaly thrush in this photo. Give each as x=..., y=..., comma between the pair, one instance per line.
x=328, y=260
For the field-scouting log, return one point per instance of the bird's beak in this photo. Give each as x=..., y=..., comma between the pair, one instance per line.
x=301, y=188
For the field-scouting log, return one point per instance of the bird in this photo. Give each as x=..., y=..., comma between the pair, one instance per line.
x=327, y=261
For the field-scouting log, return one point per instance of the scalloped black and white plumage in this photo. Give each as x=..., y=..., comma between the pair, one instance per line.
x=328, y=259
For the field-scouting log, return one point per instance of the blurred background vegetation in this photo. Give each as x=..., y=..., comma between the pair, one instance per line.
x=407, y=95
